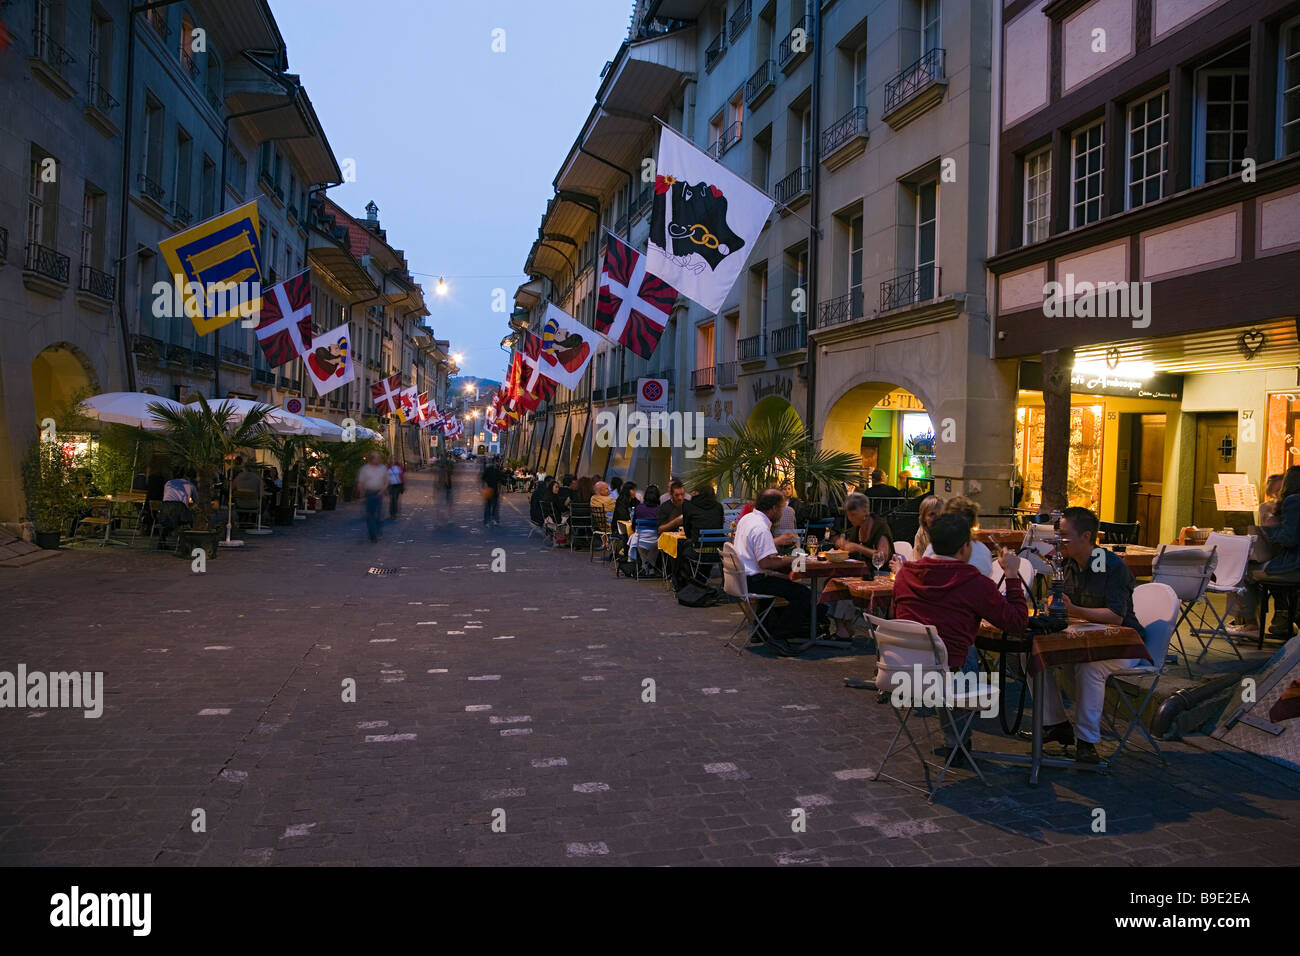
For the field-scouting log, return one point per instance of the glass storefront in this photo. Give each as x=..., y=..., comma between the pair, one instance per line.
x=1281, y=448
x=1083, y=479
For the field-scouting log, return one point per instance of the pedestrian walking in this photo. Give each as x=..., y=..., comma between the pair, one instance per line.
x=446, y=479
x=492, y=479
x=372, y=479
x=396, y=485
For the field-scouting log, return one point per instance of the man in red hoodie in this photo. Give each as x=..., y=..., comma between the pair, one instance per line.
x=951, y=595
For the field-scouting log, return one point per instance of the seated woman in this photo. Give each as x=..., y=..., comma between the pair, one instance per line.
x=931, y=508
x=865, y=536
x=980, y=555
x=646, y=542
x=1284, y=535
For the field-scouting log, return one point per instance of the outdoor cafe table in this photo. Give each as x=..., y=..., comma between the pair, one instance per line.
x=1139, y=558
x=1080, y=642
x=106, y=504
x=997, y=538
x=865, y=593
x=668, y=541
x=822, y=569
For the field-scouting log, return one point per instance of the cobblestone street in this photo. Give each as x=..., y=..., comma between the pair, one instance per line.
x=518, y=692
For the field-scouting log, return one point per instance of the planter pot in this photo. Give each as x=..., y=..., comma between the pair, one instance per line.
x=189, y=540
x=49, y=540
x=329, y=502
x=284, y=515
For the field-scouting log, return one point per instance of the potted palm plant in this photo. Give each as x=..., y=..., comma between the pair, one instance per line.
x=288, y=450
x=204, y=439
x=50, y=487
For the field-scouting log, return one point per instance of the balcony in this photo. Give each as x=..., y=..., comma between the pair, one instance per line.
x=725, y=374
x=841, y=309
x=915, y=89
x=96, y=284
x=713, y=52
x=751, y=349
x=612, y=391
x=234, y=356
x=187, y=61
x=150, y=189
x=99, y=108
x=795, y=46
x=49, y=63
x=759, y=86
x=792, y=338
x=703, y=378
x=181, y=213
x=263, y=377
x=794, y=188
x=45, y=270
x=203, y=363
x=739, y=20
x=845, y=139
x=642, y=202
x=728, y=138
x=910, y=288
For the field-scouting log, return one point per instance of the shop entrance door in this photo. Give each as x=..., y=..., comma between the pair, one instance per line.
x=1216, y=452
x=1146, y=489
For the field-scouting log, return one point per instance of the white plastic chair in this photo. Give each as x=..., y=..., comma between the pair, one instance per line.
x=905, y=549
x=1229, y=579
x=1188, y=571
x=1157, y=608
x=900, y=647
x=736, y=583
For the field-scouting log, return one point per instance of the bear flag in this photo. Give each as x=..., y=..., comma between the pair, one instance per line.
x=634, y=305
x=567, y=347
x=703, y=224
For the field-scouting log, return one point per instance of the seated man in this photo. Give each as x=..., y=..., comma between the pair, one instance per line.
x=178, y=497
x=700, y=512
x=949, y=593
x=602, y=500
x=1102, y=597
x=980, y=555
x=670, y=509
x=764, y=568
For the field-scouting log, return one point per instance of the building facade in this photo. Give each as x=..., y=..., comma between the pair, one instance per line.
x=1160, y=156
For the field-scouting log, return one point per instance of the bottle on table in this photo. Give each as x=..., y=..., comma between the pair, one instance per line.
x=812, y=545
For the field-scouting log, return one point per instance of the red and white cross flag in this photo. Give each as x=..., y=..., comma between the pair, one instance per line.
x=634, y=305
x=284, y=321
x=386, y=394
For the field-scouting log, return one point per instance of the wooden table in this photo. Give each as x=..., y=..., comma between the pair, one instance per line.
x=865, y=593
x=823, y=569
x=1081, y=642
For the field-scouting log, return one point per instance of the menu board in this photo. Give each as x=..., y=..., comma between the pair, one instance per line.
x=1236, y=497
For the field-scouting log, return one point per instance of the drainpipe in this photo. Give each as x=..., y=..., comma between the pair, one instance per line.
x=814, y=234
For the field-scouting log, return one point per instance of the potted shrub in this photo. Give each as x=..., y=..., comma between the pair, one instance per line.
x=204, y=439
x=50, y=485
x=287, y=450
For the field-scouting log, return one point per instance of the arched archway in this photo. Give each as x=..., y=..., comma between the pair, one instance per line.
x=768, y=408
x=60, y=372
x=885, y=424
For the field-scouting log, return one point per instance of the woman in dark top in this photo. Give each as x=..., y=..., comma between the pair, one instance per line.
x=585, y=490
x=866, y=533
x=1285, y=535
x=626, y=501
x=646, y=542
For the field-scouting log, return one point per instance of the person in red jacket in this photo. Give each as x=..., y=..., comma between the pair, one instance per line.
x=952, y=595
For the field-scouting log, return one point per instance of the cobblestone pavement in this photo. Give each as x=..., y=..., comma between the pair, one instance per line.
x=515, y=697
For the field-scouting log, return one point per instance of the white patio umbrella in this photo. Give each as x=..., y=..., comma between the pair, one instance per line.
x=364, y=433
x=325, y=429
x=278, y=421
x=127, y=408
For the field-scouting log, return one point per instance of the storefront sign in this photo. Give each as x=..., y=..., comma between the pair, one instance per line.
x=718, y=410
x=1159, y=386
x=778, y=385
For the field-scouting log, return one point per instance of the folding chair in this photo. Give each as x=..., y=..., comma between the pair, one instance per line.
x=247, y=505
x=646, y=526
x=155, y=527
x=1229, y=579
x=736, y=583
x=905, y=550
x=708, y=550
x=1187, y=570
x=599, y=530
x=1157, y=608
x=910, y=649
x=579, y=524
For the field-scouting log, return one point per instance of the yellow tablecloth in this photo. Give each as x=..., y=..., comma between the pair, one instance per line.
x=668, y=542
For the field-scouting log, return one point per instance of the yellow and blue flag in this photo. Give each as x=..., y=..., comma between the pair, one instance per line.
x=220, y=258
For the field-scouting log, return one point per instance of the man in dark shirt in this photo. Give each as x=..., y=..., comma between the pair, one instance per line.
x=879, y=489
x=670, y=509
x=492, y=479
x=1099, y=589
x=702, y=512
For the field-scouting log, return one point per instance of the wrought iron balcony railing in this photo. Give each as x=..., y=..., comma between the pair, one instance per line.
x=763, y=80
x=99, y=284
x=47, y=262
x=263, y=377
x=844, y=308
x=792, y=338
x=793, y=186
x=713, y=52
x=642, y=201
x=729, y=138
x=915, y=78
x=845, y=129
x=181, y=213
x=187, y=61
x=739, y=20
x=151, y=188
x=99, y=97
x=703, y=377
x=214, y=99
x=725, y=374
x=910, y=288
x=797, y=42
x=45, y=48
x=751, y=348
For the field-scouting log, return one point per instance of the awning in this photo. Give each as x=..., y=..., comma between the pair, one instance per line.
x=1240, y=348
x=530, y=293
x=342, y=267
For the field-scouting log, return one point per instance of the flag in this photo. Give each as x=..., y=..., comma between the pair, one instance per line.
x=422, y=407
x=534, y=386
x=284, y=326
x=634, y=305
x=385, y=393
x=704, y=221
x=329, y=363
x=567, y=347
x=220, y=259
x=406, y=400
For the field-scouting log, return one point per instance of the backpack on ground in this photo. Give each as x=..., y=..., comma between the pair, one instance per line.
x=695, y=595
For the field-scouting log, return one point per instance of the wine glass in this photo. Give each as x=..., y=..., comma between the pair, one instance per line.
x=812, y=545
x=878, y=559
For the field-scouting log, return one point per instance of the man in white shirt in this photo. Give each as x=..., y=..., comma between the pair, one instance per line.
x=372, y=479
x=764, y=568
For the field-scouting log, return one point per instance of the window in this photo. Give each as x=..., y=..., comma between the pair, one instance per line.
x=762, y=303
x=44, y=30
x=1148, y=139
x=704, y=346
x=1038, y=196
x=100, y=58
x=42, y=199
x=1086, y=175
x=860, y=77
x=208, y=189
x=237, y=171
x=930, y=38
x=1288, y=94
x=855, y=267
x=186, y=47
x=1222, y=117
x=153, y=139
x=715, y=135
x=293, y=189
x=805, y=139
x=927, y=238
x=184, y=162
x=799, y=277
x=92, y=227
